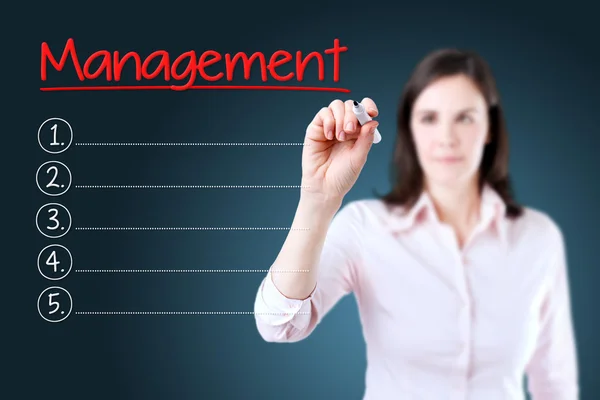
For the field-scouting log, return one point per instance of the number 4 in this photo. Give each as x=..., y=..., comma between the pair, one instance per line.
x=52, y=260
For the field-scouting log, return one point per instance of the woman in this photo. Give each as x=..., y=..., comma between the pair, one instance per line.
x=461, y=291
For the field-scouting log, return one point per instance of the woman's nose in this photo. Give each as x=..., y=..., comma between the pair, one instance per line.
x=447, y=136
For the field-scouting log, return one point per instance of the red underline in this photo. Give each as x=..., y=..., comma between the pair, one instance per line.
x=176, y=88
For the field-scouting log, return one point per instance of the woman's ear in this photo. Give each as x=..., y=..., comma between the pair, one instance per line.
x=488, y=138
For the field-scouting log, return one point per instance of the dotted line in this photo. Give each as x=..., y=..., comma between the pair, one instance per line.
x=184, y=313
x=189, y=270
x=218, y=228
x=191, y=144
x=191, y=187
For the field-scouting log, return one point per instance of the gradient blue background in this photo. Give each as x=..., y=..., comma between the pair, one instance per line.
x=545, y=66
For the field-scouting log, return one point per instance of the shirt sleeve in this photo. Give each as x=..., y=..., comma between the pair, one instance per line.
x=282, y=319
x=552, y=373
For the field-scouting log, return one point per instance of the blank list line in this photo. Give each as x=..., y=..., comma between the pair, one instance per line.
x=191, y=144
x=204, y=271
x=190, y=187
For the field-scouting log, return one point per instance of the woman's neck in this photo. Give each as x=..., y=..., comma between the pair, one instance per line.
x=457, y=206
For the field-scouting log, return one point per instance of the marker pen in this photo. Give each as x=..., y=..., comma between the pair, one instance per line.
x=363, y=118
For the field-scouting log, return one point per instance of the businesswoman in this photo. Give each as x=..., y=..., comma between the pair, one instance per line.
x=461, y=291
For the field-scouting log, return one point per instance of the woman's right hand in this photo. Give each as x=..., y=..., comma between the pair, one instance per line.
x=336, y=149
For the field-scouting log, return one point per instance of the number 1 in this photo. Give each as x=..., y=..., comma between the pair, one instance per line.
x=54, y=129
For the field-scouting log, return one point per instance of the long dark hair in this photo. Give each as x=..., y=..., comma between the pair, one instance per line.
x=407, y=175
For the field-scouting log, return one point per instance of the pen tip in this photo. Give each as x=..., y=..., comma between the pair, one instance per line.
x=355, y=103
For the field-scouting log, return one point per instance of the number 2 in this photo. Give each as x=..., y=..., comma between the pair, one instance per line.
x=51, y=183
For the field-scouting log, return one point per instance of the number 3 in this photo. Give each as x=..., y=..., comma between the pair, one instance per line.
x=53, y=218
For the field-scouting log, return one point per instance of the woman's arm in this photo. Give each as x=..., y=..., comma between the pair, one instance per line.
x=302, y=248
x=552, y=372
x=290, y=303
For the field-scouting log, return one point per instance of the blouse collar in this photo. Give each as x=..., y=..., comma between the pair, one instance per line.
x=492, y=212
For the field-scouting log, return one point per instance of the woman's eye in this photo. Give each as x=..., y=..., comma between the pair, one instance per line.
x=428, y=119
x=465, y=119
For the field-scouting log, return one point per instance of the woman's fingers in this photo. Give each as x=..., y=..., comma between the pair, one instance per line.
x=337, y=108
x=370, y=106
x=351, y=125
x=338, y=121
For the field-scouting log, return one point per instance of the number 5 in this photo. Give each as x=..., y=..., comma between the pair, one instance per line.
x=51, y=303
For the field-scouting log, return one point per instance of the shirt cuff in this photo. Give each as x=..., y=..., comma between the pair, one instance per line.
x=278, y=309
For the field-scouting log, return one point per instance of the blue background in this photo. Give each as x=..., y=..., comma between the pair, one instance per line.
x=547, y=76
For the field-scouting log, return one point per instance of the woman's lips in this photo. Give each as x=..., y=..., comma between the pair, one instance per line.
x=449, y=160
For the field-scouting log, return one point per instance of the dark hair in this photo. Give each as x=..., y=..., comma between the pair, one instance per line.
x=407, y=175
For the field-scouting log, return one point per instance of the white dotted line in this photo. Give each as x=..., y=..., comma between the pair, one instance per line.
x=184, y=313
x=190, y=270
x=190, y=187
x=192, y=144
x=217, y=228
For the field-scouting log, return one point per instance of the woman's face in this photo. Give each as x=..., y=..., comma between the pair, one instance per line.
x=450, y=128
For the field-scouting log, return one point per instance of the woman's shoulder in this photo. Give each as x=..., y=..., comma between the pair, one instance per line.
x=365, y=211
x=536, y=223
x=367, y=204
